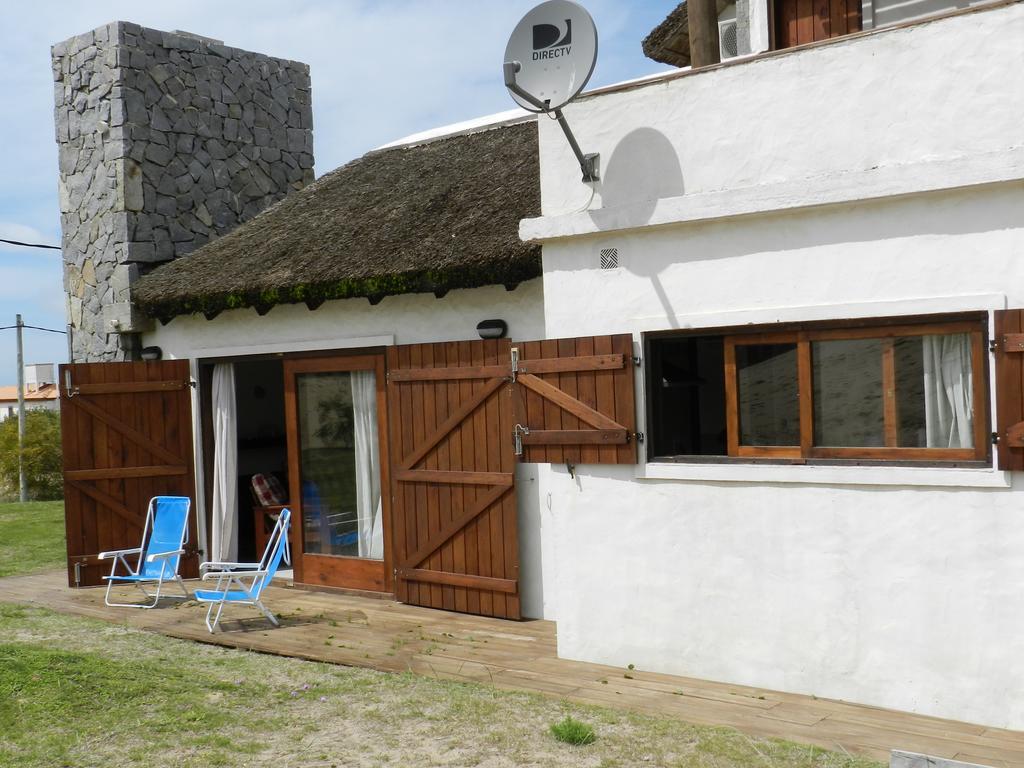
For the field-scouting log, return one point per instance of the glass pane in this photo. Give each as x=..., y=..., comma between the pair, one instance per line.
x=339, y=464
x=767, y=384
x=848, y=406
x=688, y=391
x=934, y=393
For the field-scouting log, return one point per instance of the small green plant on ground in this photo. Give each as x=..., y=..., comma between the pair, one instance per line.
x=33, y=537
x=572, y=731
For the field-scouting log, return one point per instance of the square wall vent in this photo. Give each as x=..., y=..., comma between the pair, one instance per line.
x=609, y=258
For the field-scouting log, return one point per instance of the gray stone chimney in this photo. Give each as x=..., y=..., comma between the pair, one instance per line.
x=166, y=141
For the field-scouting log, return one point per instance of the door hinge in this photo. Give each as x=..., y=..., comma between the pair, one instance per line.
x=69, y=389
x=637, y=360
x=638, y=436
x=517, y=438
x=993, y=345
x=995, y=438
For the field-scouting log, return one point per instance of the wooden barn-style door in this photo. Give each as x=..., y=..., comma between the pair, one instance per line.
x=127, y=436
x=462, y=414
x=454, y=527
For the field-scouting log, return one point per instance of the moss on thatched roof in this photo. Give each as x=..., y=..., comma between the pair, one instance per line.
x=426, y=218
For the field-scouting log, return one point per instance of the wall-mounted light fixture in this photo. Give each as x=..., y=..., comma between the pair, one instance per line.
x=151, y=353
x=492, y=329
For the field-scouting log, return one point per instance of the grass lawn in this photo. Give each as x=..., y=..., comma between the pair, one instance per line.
x=78, y=692
x=32, y=537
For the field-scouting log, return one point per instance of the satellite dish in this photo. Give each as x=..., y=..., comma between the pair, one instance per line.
x=555, y=45
x=548, y=60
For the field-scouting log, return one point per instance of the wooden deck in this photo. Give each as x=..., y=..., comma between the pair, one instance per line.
x=384, y=635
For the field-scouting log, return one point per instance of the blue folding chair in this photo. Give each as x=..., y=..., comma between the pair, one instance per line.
x=233, y=579
x=163, y=542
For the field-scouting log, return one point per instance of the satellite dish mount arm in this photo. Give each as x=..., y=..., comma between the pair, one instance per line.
x=589, y=162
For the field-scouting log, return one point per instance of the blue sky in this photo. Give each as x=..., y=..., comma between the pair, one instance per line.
x=380, y=71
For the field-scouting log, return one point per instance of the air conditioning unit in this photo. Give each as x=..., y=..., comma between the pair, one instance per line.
x=727, y=47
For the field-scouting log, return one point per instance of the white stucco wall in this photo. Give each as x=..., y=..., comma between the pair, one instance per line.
x=872, y=177
x=351, y=323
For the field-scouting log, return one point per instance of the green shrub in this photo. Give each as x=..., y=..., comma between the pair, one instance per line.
x=42, y=456
x=572, y=731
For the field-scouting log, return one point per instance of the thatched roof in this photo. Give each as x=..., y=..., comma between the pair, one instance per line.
x=669, y=42
x=428, y=218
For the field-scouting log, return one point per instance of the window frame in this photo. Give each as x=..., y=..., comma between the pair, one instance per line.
x=803, y=335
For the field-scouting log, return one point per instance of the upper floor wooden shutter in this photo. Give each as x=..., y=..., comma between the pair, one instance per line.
x=574, y=400
x=126, y=433
x=1009, y=352
x=805, y=21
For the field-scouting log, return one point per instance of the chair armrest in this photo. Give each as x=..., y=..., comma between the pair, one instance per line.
x=226, y=566
x=223, y=574
x=118, y=553
x=159, y=555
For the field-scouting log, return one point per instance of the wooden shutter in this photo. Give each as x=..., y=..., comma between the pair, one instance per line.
x=127, y=436
x=575, y=400
x=1009, y=352
x=808, y=21
x=455, y=539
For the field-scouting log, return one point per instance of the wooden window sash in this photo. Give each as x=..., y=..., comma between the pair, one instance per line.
x=805, y=393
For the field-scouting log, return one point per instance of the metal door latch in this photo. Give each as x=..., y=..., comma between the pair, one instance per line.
x=515, y=363
x=517, y=438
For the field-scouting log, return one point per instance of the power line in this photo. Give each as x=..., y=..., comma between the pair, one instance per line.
x=30, y=245
x=33, y=327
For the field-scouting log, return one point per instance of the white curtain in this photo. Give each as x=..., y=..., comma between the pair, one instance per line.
x=224, y=535
x=949, y=420
x=367, y=445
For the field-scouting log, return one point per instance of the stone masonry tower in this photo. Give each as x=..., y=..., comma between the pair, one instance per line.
x=166, y=141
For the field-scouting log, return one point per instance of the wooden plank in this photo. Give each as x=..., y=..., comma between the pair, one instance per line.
x=586, y=393
x=128, y=387
x=805, y=21
x=889, y=394
x=573, y=362
x=109, y=502
x=732, y=412
x=428, y=443
x=133, y=434
x=481, y=523
x=553, y=394
x=456, y=373
x=468, y=535
x=1009, y=388
x=576, y=437
x=568, y=382
x=454, y=477
x=822, y=20
x=1012, y=342
x=122, y=472
x=605, y=401
x=431, y=508
x=443, y=464
x=457, y=544
x=625, y=398
x=805, y=393
x=507, y=586
x=468, y=515
x=837, y=17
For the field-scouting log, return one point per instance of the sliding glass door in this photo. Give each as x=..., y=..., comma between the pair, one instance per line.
x=336, y=412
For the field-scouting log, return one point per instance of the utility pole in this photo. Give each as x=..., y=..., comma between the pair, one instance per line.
x=22, y=484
